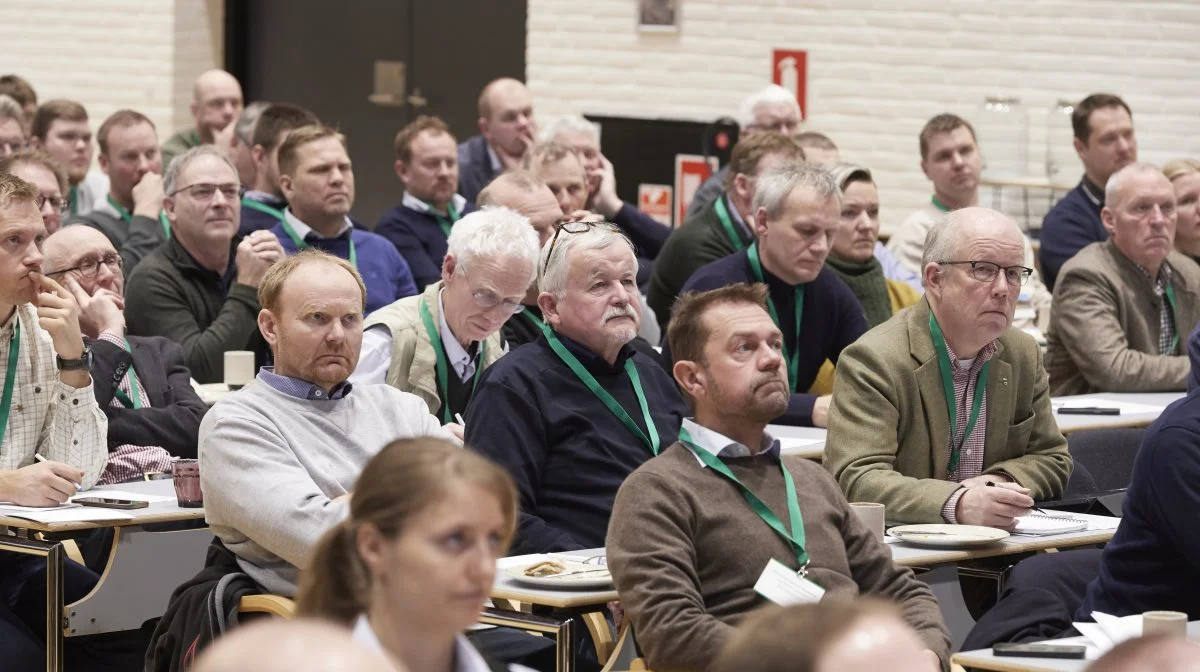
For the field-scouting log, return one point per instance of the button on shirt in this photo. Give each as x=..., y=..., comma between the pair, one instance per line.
x=1166, y=321
x=970, y=460
x=48, y=417
x=129, y=462
x=724, y=447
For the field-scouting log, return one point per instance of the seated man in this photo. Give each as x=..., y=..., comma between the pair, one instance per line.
x=437, y=345
x=573, y=413
x=242, y=151
x=61, y=129
x=263, y=204
x=318, y=181
x=506, y=130
x=14, y=131
x=21, y=91
x=795, y=211
x=427, y=165
x=132, y=214
x=51, y=413
x=47, y=175
x=945, y=398
x=216, y=104
x=144, y=385
x=301, y=432
x=1121, y=306
x=198, y=290
x=693, y=529
x=724, y=227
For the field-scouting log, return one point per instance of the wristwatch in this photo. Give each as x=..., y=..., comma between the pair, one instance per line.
x=84, y=362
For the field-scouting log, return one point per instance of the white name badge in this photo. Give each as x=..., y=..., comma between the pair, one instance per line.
x=785, y=587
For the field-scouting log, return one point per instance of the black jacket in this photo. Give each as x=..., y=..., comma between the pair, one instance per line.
x=172, y=419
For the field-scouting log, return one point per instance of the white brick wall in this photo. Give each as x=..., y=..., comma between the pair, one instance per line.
x=111, y=54
x=878, y=69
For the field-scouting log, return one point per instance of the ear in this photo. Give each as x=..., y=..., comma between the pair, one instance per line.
x=268, y=325
x=548, y=304
x=933, y=277
x=285, y=185
x=690, y=377
x=169, y=208
x=741, y=184
x=401, y=171
x=925, y=169
x=485, y=128
x=371, y=545
x=259, y=154
x=760, y=222
x=103, y=163
x=1080, y=148
x=448, y=266
x=1108, y=218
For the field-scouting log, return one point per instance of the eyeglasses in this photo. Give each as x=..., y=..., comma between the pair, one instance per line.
x=487, y=300
x=59, y=203
x=204, y=191
x=571, y=227
x=90, y=266
x=986, y=271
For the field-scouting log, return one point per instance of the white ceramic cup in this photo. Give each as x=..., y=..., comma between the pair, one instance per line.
x=1172, y=623
x=239, y=368
x=871, y=514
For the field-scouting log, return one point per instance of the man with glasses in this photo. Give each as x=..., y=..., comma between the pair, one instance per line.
x=1122, y=307
x=575, y=412
x=42, y=171
x=143, y=384
x=198, y=289
x=945, y=398
x=438, y=344
x=60, y=128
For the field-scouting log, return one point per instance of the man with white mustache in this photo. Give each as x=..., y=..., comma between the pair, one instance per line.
x=573, y=413
x=1123, y=306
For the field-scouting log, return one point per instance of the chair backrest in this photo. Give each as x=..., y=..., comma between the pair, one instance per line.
x=1107, y=454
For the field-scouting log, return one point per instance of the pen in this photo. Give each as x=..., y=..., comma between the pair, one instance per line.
x=992, y=484
x=1089, y=410
x=39, y=458
x=459, y=418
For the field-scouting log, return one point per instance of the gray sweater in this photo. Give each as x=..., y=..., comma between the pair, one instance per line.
x=271, y=466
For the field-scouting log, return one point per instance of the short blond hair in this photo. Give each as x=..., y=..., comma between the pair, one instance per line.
x=1177, y=168
x=272, y=284
x=288, y=161
x=15, y=191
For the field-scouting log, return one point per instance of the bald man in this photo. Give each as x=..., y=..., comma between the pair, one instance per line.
x=506, y=130
x=216, y=106
x=293, y=646
x=142, y=384
x=945, y=397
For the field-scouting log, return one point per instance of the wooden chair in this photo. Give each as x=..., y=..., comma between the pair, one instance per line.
x=280, y=607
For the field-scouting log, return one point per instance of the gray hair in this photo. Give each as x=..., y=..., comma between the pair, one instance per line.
x=599, y=236
x=244, y=129
x=778, y=183
x=570, y=124
x=941, y=241
x=495, y=233
x=11, y=109
x=845, y=173
x=771, y=93
x=1118, y=179
x=180, y=162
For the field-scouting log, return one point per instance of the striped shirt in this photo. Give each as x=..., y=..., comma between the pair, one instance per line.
x=970, y=462
x=128, y=462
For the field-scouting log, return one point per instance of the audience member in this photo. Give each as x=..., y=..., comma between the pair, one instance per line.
x=1105, y=143
x=199, y=290
x=132, y=214
x=1184, y=175
x=48, y=386
x=438, y=344
x=678, y=518
x=60, y=127
x=242, y=152
x=1121, y=306
x=562, y=169
x=317, y=180
x=723, y=227
x=865, y=634
x=14, y=132
x=427, y=165
x=506, y=130
x=216, y=104
x=572, y=414
x=584, y=137
x=46, y=174
x=951, y=159
x=818, y=148
x=143, y=384
x=263, y=204
x=1158, y=653
x=21, y=91
x=299, y=645
x=795, y=214
x=385, y=569
x=945, y=398
x=301, y=431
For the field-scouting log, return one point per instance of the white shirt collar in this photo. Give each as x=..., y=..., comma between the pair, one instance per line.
x=463, y=363
x=466, y=658
x=719, y=445
x=494, y=159
x=414, y=203
x=303, y=229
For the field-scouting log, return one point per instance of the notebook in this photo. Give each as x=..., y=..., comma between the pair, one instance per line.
x=1037, y=524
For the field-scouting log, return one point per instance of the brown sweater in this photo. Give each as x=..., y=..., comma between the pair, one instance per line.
x=685, y=550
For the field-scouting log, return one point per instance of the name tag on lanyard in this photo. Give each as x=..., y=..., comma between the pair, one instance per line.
x=784, y=587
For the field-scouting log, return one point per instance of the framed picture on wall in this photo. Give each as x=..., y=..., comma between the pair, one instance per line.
x=658, y=16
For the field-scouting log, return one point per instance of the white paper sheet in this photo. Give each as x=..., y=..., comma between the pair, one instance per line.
x=70, y=514
x=1109, y=631
x=789, y=444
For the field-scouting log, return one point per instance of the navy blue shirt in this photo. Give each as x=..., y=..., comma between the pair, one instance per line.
x=833, y=319
x=418, y=238
x=1072, y=225
x=566, y=451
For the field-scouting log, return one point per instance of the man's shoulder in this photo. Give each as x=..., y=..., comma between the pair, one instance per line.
x=917, y=224
x=1186, y=268
x=387, y=399
x=719, y=273
x=1094, y=261
x=522, y=367
x=401, y=219
x=1019, y=347
x=100, y=220
x=183, y=140
x=1072, y=209
x=157, y=264
x=672, y=469
x=400, y=314
x=472, y=149
x=369, y=241
x=887, y=342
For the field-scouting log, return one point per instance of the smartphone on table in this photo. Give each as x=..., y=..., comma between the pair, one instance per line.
x=105, y=503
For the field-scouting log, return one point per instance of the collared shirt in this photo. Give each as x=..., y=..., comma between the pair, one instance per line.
x=970, y=460
x=48, y=417
x=466, y=658
x=737, y=217
x=1092, y=192
x=1166, y=321
x=264, y=197
x=462, y=361
x=414, y=203
x=494, y=159
x=302, y=389
x=719, y=445
x=128, y=462
x=303, y=230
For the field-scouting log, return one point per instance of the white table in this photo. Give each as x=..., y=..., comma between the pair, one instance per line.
x=983, y=659
x=1074, y=423
x=808, y=442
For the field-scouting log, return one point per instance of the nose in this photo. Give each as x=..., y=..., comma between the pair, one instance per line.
x=336, y=333
x=218, y=199
x=337, y=176
x=564, y=201
x=864, y=222
x=1000, y=286
x=956, y=159
x=34, y=256
x=770, y=359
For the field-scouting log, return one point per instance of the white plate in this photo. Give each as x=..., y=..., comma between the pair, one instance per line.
x=947, y=536
x=591, y=576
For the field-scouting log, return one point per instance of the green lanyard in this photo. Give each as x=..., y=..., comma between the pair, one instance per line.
x=944, y=367
x=262, y=207
x=300, y=244
x=939, y=205
x=136, y=402
x=1170, y=291
x=445, y=222
x=443, y=367
x=10, y=376
x=128, y=216
x=795, y=538
x=793, y=360
x=73, y=199
x=534, y=319
x=652, y=442
x=727, y=224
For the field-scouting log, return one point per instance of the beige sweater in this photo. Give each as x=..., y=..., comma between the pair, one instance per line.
x=685, y=550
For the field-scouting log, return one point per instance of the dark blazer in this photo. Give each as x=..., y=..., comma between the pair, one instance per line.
x=474, y=167
x=172, y=420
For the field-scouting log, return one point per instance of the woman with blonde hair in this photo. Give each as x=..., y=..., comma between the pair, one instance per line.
x=1184, y=175
x=411, y=567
